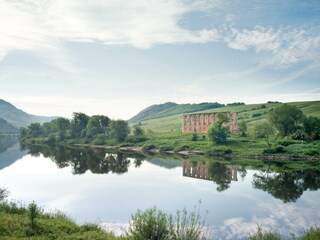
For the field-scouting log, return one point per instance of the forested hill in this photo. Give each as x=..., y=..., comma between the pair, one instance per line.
x=17, y=117
x=170, y=108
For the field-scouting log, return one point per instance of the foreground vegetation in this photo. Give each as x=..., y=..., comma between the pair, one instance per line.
x=31, y=222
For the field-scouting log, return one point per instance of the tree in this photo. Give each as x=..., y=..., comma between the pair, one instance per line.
x=34, y=130
x=61, y=125
x=218, y=133
x=312, y=127
x=286, y=119
x=264, y=130
x=119, y=129
x=79, y=123
x=242, y=129
x=97, y=124
x=137, y=131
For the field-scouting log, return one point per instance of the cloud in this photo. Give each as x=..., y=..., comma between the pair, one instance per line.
x=45, y=27
x=286, y=46
x=33, y=25
x=283, y=218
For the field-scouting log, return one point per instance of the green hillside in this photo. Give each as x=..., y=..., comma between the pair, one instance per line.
x=170, y=108
x=5, y=127
x=251, y=114
x=17, y=117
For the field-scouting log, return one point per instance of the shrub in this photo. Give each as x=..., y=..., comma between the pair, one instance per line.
x=256, y=115
x=276, y=149
x=181, y=148
x=286, y=143
x=220, y=151
x=166, y=148
x=148, y=147
x=149, y=224
x=194, y=137
x=264, y=235
x=313, y=152
x=155, y=224
x=312, y=233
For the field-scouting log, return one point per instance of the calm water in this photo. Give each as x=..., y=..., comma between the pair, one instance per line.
x=106, y=188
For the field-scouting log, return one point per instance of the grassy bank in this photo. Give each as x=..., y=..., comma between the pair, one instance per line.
x=19, y=222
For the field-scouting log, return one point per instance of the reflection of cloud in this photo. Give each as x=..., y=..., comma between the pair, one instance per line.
x=282, y=218
x=117, y=228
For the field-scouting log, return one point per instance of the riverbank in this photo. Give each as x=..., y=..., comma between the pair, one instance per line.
x=31, y=222
x=187, y=144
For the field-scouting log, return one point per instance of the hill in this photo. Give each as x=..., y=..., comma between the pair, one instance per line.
x=251, y=114
x=17, y=117
x=170, y=108
x=5, y=127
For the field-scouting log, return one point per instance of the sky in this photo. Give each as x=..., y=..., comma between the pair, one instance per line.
x=116, y=57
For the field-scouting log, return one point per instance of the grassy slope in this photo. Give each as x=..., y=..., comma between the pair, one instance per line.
x=246, y=112
x=169, y=109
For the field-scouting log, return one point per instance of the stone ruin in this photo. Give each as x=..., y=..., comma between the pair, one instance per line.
x=201, y=122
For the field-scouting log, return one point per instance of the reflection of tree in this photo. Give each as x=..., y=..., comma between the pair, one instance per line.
x=83, y=159
x=220, y=174
x=243, y=172
x=287, y=186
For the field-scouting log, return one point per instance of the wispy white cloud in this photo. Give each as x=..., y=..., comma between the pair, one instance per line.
x=44, y=26
x=284, y=46
x=30, y=25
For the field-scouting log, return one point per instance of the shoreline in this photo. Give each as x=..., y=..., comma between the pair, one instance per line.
x=199, y=153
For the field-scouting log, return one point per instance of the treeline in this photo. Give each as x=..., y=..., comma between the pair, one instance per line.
x=97, y=129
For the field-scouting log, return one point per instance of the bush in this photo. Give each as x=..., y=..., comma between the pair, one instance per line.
x=264, y=235
x=312, y=233
x=148, y=147
x=220, y=151
x=276, y=149
x=165, y=148
x=181, y=148
x=256, y=115
x=313, y=152
x=155, y=224
x=136, y=139
x=194, y=137
x=286, y=143
x=150, y=224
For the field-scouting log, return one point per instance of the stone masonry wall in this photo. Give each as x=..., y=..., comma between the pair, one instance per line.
x=200, y=122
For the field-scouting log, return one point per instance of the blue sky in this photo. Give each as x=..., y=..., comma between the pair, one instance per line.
x=116, y=57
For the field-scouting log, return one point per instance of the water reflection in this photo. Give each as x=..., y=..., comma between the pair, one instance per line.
x=9, y=151
x=277, y=180
x=287, y=186
x=221, y=174
x=83, y=159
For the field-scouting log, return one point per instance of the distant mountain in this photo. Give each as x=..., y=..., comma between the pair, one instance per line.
x=170, y=108
x=17, y=117
x=5, y=127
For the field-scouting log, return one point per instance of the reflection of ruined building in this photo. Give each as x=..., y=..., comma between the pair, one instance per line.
x=200, y=170
x=200, y=122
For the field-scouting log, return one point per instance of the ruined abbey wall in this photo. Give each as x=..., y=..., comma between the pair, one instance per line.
x=200, y=122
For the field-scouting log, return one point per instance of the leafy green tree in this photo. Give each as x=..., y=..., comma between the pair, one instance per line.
x=242, y=129
x=62, y=125
x=34, y=130
x=286, y=119
x=264, y=130
x=79, y=124
x=119, y=129
x=312, y=127
x=97, y=124
x=218, y=133
x=138, y=131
